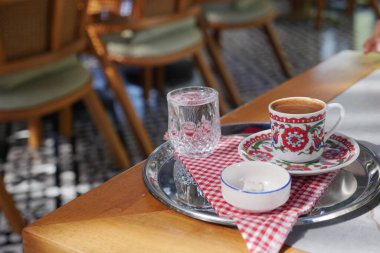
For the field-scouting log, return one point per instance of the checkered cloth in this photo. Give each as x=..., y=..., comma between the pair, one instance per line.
x=264, y=232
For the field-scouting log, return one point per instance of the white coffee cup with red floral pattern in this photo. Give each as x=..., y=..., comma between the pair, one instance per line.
x=298, y=127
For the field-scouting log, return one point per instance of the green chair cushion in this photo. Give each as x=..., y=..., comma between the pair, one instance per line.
x=238, y=12
x=44, y=88
x=11, y=81
x=154, y=42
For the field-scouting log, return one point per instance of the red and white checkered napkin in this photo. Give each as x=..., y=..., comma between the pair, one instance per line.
x=264, y=232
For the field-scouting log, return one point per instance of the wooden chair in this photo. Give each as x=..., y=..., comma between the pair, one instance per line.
x=219, y=15
x=321, y=4
x=95, y=9
x=158, y=33
x=40, y=74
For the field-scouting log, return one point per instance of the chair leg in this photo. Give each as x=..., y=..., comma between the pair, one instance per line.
x=160, y=79
x=217, y=36
x=117, y=86
x=35, y=132
x=4, y=144
x=119, y=91
x=11, y=213
x=65, y=122
x=104, y=125
x=229, y=83
x=350, y=6
x=318, y=18
x=147, y=81
x=209, y=79
x=375, y=7
x=278, y=50
x=296, y=5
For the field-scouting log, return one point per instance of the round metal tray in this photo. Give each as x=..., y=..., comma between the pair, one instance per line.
x=354, y=187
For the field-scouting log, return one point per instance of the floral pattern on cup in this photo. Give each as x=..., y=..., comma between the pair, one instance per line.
x=290, y=138
x=339, y=151
x=297, y=120
x=294, y=138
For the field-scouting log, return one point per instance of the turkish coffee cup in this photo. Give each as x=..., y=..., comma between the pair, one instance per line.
x=298, y=127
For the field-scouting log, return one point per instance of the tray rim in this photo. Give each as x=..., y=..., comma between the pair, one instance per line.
x=214, y=218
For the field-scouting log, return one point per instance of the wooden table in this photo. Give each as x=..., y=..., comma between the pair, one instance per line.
x=121, y=216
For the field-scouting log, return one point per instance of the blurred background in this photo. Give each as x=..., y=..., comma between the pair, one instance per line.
x=42, y=179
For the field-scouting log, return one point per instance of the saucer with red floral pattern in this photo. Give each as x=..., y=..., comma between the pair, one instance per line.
x=339, y=151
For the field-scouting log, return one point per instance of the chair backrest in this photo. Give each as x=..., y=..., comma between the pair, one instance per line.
x=35, y=33
x=98, y=6
x=144, y=13
x=154, y=8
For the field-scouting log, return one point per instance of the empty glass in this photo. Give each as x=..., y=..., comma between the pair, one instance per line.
x=194, y=121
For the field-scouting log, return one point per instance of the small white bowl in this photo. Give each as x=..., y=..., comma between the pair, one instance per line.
x=255, y=186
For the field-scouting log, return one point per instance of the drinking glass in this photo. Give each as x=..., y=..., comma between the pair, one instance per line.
x=194, y=121
x=188, y=191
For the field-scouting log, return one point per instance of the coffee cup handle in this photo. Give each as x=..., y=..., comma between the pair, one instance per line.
x=339, y=120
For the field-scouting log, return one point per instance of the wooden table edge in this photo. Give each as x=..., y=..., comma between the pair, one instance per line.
x=359, y=68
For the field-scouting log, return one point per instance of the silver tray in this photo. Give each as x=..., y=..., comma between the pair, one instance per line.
x=354, y=188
